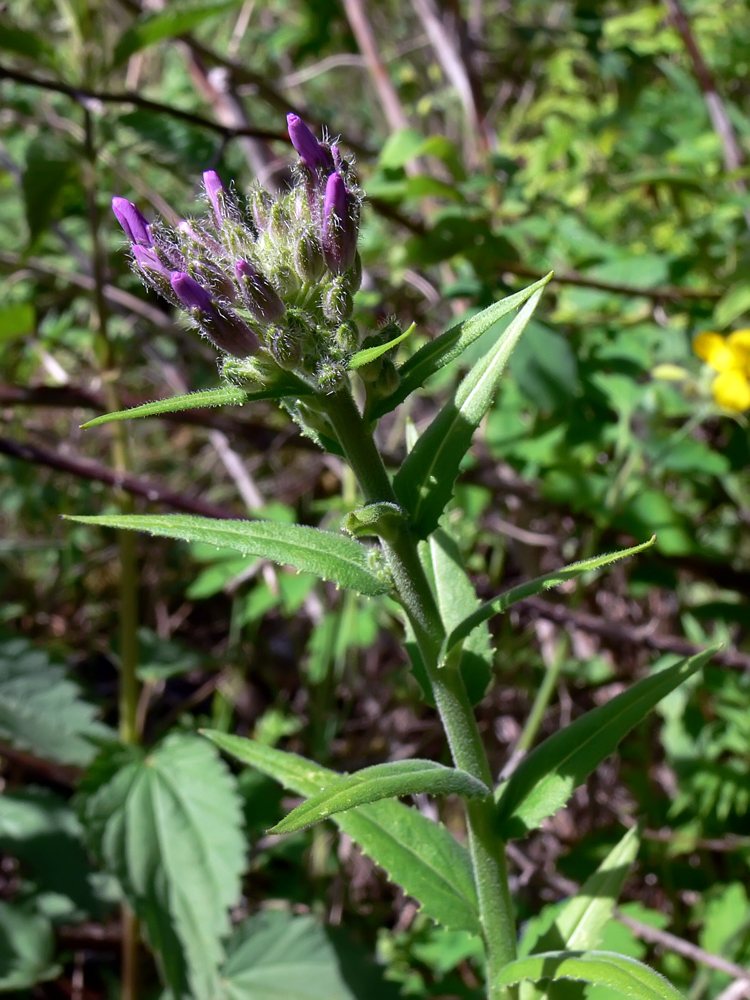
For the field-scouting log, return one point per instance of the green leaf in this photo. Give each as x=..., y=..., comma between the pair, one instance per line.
x=27, y=947
x=168, y=825
x=373, y=353
x=544, y=781
x=500, y=604
x=225, y=395
x=41, y=710
x=43, y=833
x=580, y=924
x=16, y=320
x=457, y=599
x=176, y=19
x=382, y=781
x=417, y=854
x=310, y=550
x=448, y=346
x=277, y=956
x=600, y=968
x=424, y=482
x=26, y=43
x=50, y=166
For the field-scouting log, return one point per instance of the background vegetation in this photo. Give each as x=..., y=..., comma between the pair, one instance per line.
x=495, y=141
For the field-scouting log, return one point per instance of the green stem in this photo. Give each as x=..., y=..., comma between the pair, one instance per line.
x=129, y=692
x=543, y=697
x=454, y=707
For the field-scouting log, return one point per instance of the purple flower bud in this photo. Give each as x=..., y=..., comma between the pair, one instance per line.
x=132, y=221
x=312, y=153
x=216, y=194
x=339, y=226
x=198, y=238
x=225, y=329
x=260, y=297
x=148, y=260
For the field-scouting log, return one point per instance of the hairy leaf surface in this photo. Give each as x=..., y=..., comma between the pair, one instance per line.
x=424, y=483
x=225, y=395
x=544, y=781
x=448, y=346
x=382, y=781
x=421, y=856
x=501, y=603
x=310, y=550
x=601, y=968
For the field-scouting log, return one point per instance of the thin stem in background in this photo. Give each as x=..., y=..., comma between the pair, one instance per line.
x=126, y=541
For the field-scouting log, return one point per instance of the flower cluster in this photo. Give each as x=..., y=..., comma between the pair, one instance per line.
x=730, y=357
x=268, y=281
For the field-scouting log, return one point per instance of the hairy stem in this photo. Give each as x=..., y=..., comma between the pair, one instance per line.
x=454, y=707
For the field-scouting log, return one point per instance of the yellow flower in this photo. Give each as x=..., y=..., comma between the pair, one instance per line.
x=730, y=357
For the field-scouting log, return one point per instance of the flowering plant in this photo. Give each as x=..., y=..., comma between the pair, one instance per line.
x=730, y=358
x=270, y=282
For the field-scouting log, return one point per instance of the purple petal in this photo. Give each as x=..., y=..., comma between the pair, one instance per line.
x=148, y=260
x=216, y=192
x=132, y=221
x=339, y=226
x=260, y=296
x=311, y=152
x=192, y=294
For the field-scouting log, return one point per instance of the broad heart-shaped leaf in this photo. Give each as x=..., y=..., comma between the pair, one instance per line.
x=275, y=956
x=501, y=603
x=457, y=599
x=448, y=346
x=27, y=948
x=382, y=781
x=544, y=781
x=168, y=825
x=327, y=555
x=580, y=923
x=225, y=395
x=601, y=968
x=424, y=482
x=419, y=855
x=41, y=710
x=373, y=353
x=173, y=20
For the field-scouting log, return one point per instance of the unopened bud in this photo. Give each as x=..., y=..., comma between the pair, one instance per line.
x=308, y=257
x=260, y=203
x=224, y=328
x=133, y=221
x=330, y=375
x=337, y=301
x=217, y=195
x=314, y=155
x=286, y=350
x=347, y=336
x=339, y=226
x=147, y=259
x=260, y=297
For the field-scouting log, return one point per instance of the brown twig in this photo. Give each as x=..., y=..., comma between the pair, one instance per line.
x=717, y=112
x=636, y=635
x=84, y=468
x=359, y=22
x=84, y=95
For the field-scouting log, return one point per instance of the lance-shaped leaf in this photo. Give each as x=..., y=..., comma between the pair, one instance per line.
x=424, y=482
x=383, y=781
x=448, y=346
x=225, y=395
x=373, y=353
x=544, y=781
x=503, y=601
x=417, y=854
x=600, y=968
x=329, y=556
x=580, y=924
